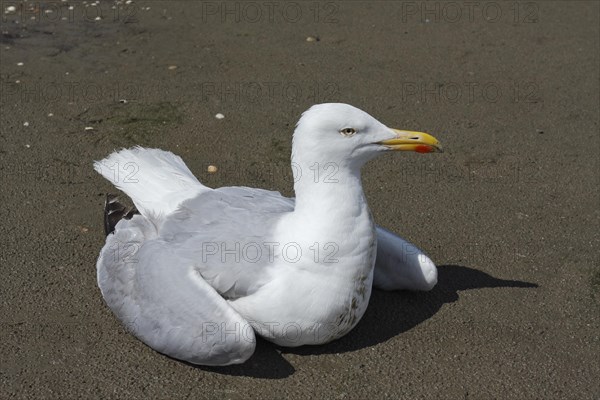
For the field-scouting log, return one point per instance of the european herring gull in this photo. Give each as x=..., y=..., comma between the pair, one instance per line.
x=196, y=272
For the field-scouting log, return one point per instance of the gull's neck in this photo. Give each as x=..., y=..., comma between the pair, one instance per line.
x=327, y=186
x=328, y=191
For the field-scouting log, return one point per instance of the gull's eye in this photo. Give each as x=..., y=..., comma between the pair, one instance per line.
x=348, y=131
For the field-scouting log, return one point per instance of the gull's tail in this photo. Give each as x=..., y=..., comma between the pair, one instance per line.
x=157, y=181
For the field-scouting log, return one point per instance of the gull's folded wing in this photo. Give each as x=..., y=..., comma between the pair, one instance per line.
x=163, y=300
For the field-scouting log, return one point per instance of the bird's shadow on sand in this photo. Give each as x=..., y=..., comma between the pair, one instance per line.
x=388, y=315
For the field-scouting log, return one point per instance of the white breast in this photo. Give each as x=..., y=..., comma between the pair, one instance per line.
x=311, y=302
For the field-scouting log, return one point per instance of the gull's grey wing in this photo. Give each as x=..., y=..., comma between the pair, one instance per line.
x=226, y=234
x=162, y=300
x=401, y=265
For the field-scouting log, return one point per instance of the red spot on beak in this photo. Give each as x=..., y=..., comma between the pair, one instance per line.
x=422, y=148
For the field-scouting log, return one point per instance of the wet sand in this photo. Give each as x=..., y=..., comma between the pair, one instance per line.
x=509, y=212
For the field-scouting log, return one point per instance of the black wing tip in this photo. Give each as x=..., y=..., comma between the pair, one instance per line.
x=114, y=211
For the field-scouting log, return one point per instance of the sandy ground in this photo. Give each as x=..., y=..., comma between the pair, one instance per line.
x=509, y=212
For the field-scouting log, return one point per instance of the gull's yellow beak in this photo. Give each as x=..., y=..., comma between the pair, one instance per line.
x=413, y=141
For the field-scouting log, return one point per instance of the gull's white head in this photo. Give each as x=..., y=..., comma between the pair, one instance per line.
x=341, y=133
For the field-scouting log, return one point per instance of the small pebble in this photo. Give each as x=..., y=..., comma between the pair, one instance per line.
x=25, y=123
x=20, y=64
x=50, y=114
x=212, y=169
x=172, y=67
x=88, y=128
x=27, y=145
x=97, y=19
x=219, y=116
x=123, y=101
x=312, y=39
x=11, y=9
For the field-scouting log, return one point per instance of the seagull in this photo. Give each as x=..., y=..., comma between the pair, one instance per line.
x=196, y=273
